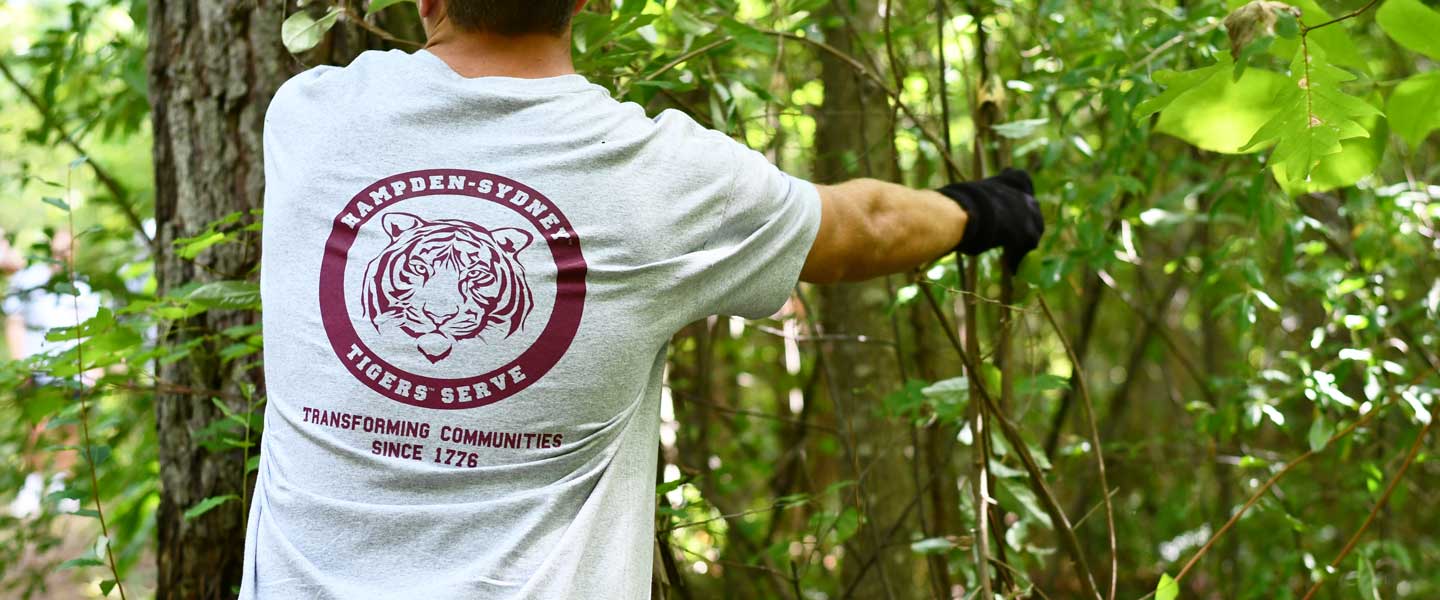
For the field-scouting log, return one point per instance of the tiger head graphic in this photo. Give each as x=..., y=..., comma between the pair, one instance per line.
x=447, y=280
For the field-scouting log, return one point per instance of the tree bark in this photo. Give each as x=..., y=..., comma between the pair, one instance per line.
x=214, y=65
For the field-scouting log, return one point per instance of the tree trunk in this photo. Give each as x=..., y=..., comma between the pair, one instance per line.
x=853, y=134
x=214, y=65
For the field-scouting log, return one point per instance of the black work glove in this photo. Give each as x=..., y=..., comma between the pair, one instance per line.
x=1003, y=214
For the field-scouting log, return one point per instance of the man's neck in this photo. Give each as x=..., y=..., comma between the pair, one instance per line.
x=528, y=56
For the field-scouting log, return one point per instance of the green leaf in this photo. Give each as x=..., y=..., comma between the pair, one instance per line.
x=226, y=294
x=660, y=489
x=75, y=563
x=103, y=320
x=1043, y=382
x=1019, y=129
x=208, y=504
x=1365, y=580
x=1167, y=589
x=1357, y=159
x=106, y=586
x=1320, y=432
x=1414, y=107
x=1027, y=499
x=379, y=5
x=1313, y=117
x=1176, y=83
x=1221, y=113
x=935, y=545
x=301, y=32
x=846, y=525
x=99, y=454
x=56, y=202
x=192, y=247
x=1287, y=25
x=1412, y=25
x=948, y=394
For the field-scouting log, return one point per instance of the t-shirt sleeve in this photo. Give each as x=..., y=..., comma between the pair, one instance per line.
x=755, y=251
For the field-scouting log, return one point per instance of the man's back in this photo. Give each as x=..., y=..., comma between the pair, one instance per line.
x=469, y=284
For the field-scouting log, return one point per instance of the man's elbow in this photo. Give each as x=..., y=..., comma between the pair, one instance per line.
x=826, y=273
x=852, y=242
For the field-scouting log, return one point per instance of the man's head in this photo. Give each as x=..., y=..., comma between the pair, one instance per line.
x=502, y=17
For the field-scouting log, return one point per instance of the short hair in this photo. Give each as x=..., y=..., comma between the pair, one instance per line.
x=511, y=17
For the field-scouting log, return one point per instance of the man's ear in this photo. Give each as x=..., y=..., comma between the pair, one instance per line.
x=428, y=8
x=579, y=6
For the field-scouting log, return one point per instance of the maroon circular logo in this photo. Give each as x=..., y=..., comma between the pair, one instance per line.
x=450, y=288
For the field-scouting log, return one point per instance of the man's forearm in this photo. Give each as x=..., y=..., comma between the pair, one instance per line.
x=871, y=228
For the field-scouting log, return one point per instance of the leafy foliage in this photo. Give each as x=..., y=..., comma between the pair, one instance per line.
x=1241, y=254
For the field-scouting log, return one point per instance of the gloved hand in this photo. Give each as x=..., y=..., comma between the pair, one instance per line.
x=1003, y=214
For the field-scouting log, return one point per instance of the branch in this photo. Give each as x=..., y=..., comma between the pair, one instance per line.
x=860, y=69
x=116, y=189
x=1255, y=497
x=1012, y=435
x=80, y=397
x=1095, y=440
x=1305, y=29
x=1379, y=504
x=379, y=32
x=687, y=56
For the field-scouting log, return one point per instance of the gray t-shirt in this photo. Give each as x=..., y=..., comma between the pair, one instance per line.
x=468, y=287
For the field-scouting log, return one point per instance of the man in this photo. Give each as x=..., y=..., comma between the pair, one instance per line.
x=473, y=261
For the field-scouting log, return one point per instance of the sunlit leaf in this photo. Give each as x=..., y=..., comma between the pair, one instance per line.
x=76, y=563
x=226, y=294
x=1221, y=114
x=935, y=545
x=1412, y=25
x=56, y=202
x=1167, y=589
x=301, y=32
x=1019, y=129
x=1320, y=431
x=1414, y=107
x=207, y=505
x=379, y=5
x=1313, y=116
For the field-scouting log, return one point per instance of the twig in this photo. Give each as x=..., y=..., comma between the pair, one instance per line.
x=108, y=181
x=757, y=414
x=687, y=56
x=1259, y=492
x=79, y=395
x=1162, y=333
x=1047, y=499
x=847, y=435
x=379, y=32
x=894, y=95
x=944, y=88
x=1379, y=504
x=1304, y=29
x=1094, y=440
x=1171, y=44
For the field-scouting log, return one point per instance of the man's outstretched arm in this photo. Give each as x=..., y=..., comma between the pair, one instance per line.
x=870, y=228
